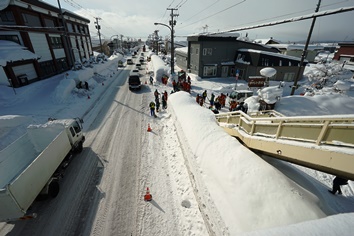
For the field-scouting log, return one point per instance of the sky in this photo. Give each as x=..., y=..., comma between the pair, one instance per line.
x=136, y=19
x=240, y=193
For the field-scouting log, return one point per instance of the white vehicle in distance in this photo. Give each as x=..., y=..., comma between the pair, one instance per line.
x=135, y=72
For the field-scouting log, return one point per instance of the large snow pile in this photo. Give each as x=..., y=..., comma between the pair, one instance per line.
x=229, y=182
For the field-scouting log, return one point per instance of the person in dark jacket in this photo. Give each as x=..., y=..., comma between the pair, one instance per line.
x=337, y=182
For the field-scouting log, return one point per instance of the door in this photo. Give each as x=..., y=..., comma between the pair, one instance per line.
x=224, y=71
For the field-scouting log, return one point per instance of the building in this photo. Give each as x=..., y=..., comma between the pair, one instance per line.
x=345, y=55
x=37, y=27
x=296, y=50
x=211, y=56
x=249, y=62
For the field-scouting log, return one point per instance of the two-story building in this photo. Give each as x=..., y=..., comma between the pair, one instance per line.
x=215, y=56
x=49, y=40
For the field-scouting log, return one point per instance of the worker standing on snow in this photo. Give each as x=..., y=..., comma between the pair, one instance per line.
x=152, y=109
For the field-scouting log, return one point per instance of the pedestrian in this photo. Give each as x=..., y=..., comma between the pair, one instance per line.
x=240, y=107
x=152, y=109
x=165, y=94
x=86, y=85
x=337, y=182
x=197, y=98
x=201, y=101
x=174, y=84
x=151, y=80
x=204, y=94
x=246, y=107
x=157, y=102
x=212, y=99
x=164, y=102
x=156, y=94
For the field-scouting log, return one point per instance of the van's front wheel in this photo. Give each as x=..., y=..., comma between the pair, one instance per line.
x=53, y=189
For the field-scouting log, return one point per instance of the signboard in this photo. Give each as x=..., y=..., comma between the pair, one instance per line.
x=256, y=81
x=4, y=4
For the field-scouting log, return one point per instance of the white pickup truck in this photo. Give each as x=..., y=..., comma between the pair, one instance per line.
x=34, y=164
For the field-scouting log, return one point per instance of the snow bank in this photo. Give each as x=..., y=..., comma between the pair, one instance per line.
x=227, y=174
x=159, y=68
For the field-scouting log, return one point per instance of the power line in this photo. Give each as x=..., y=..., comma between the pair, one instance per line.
x=290, y=20
x=228, y=8
x=194, y=15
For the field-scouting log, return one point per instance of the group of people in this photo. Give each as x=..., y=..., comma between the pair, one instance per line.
x=219, y=102
x=156, y=105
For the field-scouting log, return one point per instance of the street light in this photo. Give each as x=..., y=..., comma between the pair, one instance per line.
x=172, y=47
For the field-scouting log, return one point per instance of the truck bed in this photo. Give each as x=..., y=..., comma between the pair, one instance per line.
x=25, y=167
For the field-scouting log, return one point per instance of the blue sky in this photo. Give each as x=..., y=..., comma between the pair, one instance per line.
x=136, y=18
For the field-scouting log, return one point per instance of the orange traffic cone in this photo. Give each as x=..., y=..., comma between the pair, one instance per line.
x=149, y=128
x=148, y=196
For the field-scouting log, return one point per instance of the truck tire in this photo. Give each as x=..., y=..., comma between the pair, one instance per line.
x=79, y=147
x=53, y=189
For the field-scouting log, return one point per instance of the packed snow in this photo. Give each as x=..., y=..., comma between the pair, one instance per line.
x=219, y=187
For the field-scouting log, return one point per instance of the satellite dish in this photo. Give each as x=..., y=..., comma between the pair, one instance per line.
x=4, y=4
x=268, y=72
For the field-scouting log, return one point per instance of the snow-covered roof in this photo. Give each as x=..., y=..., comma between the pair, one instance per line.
x=182, y=50
x=11, y=51
x=270, y=53
x=265, y=41
x=296, y=46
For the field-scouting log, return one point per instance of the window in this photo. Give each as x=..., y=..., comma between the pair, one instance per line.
x=76, y=127
x=196, y=51
x=70, y=27
x=7, y=16
x=47, y=67
x=72, y=131
x=288, y=77
x=56, y=42
x=13, y=38
x=49, y=23
x=207, y=51
x=62, y=64
x=209, y=71
x=265, y=61
x=31, y=20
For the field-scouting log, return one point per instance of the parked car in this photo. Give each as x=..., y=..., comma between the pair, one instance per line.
x=141, y=60
x=138, y=66
x=120, y=63
x=134, y=82
x=130, y=62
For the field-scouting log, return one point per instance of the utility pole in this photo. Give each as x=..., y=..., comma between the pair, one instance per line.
x=172, y=24
x=66, y=38
x=304, y=53
x=98, y=27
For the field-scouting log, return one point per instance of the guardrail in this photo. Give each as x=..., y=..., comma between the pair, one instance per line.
x=332, y=130
x=324, y=143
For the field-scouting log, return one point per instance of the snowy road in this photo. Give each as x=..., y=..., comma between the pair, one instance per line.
x=103, y=188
